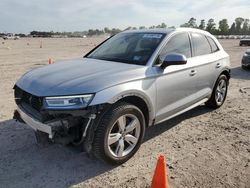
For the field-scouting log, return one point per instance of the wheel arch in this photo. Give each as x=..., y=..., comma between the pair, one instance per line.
x=141, y=93
x=140, y=103
x=227, y=73
x=136, y=98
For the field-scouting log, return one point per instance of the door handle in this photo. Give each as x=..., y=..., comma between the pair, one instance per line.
x=218, y=65
x=192, y=72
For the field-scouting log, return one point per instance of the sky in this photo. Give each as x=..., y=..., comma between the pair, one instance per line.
x=23, y=16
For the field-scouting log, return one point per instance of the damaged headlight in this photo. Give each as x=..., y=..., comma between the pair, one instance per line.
x=68, y=102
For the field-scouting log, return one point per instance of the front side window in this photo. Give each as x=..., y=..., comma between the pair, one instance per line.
x=131, y=48
x=179, y=43
x=200, y=44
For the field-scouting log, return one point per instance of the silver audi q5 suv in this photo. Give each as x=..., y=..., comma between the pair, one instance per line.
x=133, y=80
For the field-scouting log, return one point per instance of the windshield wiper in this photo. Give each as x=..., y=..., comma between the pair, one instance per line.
x=114, y=59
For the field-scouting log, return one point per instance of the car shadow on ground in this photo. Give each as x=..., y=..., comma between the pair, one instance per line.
x=25, y=164
x=240, y=73
x=156, y=130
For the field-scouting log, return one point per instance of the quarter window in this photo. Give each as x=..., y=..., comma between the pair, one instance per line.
x=179, y=43
x=213, y=45
x=200, y=44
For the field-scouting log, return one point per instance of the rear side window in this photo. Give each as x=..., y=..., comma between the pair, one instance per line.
x=200, y=44
x=213, y=45
x=179, y=43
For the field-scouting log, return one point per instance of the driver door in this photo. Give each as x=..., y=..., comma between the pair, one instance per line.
x=175, y=84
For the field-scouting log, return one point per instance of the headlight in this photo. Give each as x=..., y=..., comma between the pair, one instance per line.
x=68, y=102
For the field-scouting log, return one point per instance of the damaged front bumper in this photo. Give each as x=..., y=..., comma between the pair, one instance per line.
x=37, y=125
x=61, y=126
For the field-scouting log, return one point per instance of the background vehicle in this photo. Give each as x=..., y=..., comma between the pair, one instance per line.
x=245, y=41
x=133, y=80
x=245, y=62
x=10, y=36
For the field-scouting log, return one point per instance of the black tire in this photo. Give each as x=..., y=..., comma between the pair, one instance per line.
x=100, y=148
x=212, y=103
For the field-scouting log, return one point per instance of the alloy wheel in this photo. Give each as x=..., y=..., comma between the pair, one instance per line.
x=124, y=135
x=221, y=92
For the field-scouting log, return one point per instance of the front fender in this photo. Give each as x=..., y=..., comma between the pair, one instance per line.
x=145, y=89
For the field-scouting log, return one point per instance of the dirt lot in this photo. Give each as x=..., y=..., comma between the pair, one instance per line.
x=203, y=148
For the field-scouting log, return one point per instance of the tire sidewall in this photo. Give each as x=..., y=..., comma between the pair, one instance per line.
x=129, y=109
x=222, y=77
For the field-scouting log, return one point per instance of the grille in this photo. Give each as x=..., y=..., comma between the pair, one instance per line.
x=32, y=100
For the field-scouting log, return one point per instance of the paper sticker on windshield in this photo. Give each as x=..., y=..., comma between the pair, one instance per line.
x=137, y=58
x=152, y=36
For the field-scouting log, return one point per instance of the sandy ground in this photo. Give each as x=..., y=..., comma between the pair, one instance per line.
x=203, y=148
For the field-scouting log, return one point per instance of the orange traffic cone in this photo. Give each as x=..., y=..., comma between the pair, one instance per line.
x=160, y=179
x=50, y=61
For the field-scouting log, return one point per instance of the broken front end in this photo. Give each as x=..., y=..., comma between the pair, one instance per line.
x=63, y=119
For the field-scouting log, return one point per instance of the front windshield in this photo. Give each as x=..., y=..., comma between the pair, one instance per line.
x=132, y=48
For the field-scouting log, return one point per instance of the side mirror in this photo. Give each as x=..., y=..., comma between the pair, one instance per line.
x=173, y=59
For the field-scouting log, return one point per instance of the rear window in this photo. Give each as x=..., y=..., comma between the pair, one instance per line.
x=213, y=45
x=200, y=44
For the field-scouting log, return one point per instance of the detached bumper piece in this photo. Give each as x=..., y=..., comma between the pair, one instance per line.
x=62, y=130
x=36, y=125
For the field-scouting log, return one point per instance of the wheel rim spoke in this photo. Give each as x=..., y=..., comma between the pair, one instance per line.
x=119, y=148
x=130, y=139
x=217, y=96
x=131, y=126
x=220, y=97
x=221, y=84
x=113, y=138
x=121, y=123
x=221, y=91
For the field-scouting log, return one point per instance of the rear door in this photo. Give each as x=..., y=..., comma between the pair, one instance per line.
x=206, y=63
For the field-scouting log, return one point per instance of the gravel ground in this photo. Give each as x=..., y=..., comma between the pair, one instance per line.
x=203, y=148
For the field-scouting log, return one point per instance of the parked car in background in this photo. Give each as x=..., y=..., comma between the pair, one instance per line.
x=245, y=62
x=131, y=81
x=10, y=36
x=245, y=41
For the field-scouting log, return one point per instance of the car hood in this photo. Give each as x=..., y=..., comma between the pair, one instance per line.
x=78, y=76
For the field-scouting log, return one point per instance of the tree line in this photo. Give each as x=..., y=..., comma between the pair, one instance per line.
x=91, y=32
x=240, y=26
